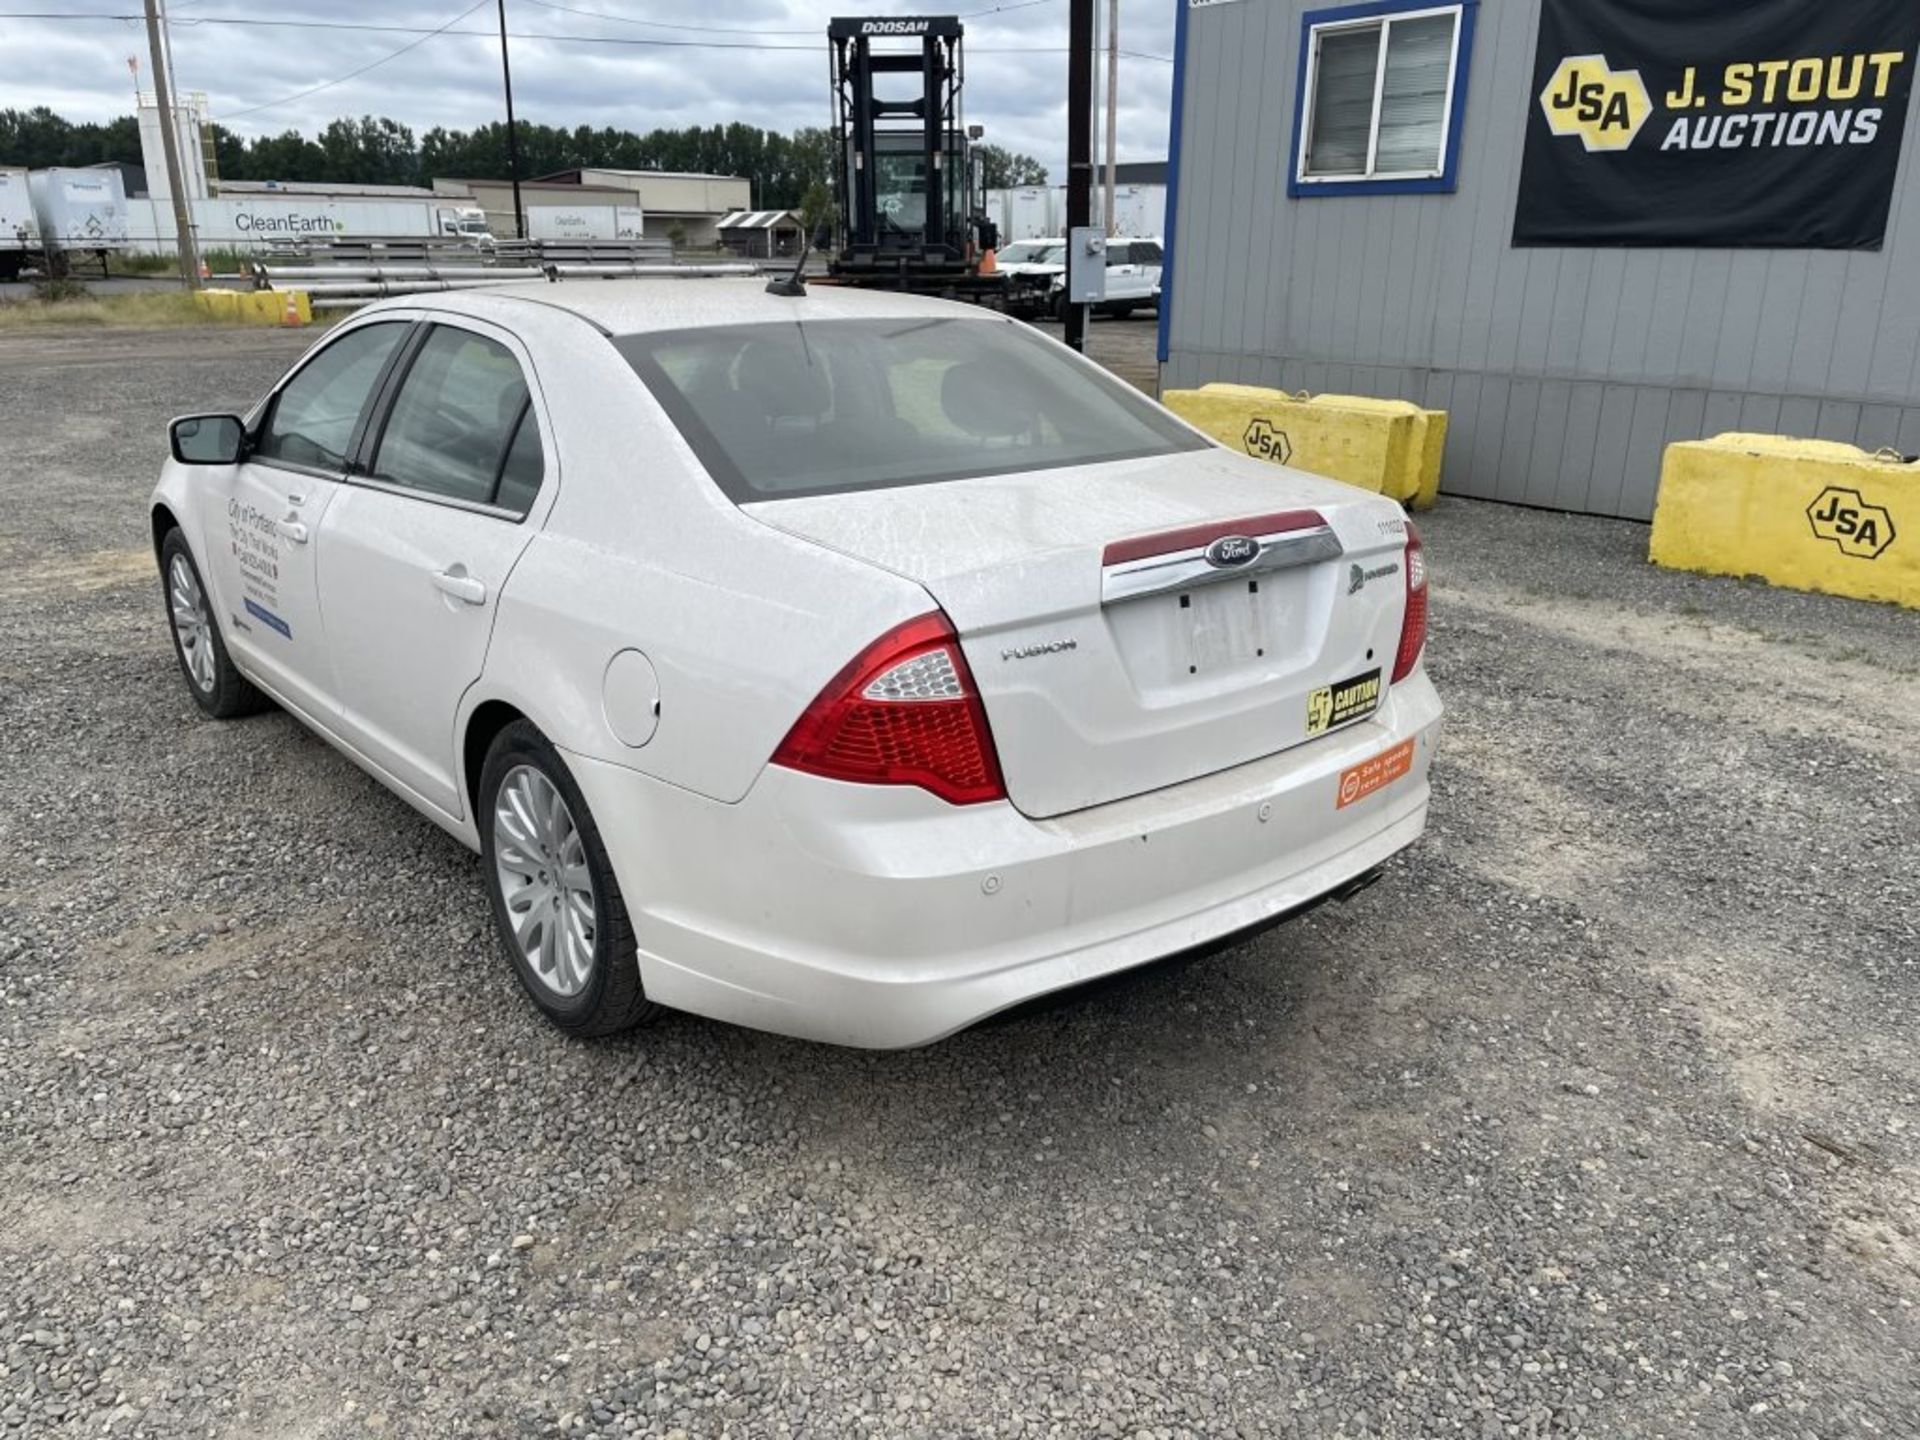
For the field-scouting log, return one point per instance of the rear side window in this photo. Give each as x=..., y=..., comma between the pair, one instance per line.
x=823, y=406
x=524, y=465
x=460, y=423
x=314, y=415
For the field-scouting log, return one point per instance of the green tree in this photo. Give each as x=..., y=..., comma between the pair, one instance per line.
x=1005, y=169
x=230, y=156
x=286, y=156
x=816, y=206
x=783, y=170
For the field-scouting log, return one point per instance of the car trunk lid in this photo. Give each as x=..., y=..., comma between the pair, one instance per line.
x=1137, y=624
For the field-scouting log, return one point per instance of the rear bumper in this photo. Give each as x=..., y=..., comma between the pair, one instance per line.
x=882, y=917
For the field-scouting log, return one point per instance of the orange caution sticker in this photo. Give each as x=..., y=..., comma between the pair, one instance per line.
x=1382, y=770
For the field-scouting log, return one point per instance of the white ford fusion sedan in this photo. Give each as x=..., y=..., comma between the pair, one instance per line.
x=847, y=665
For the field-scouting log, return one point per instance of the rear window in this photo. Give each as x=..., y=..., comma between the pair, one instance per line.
x=827, y=406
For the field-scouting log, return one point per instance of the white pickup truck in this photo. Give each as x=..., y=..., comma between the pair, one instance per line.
x=1133, y=273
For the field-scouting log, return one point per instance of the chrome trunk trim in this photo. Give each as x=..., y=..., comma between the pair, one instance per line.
x=1185, y=569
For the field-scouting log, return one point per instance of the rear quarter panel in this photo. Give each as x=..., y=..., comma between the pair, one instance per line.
x=743, y=624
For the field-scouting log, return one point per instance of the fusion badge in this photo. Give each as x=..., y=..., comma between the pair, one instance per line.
x=1333, y=705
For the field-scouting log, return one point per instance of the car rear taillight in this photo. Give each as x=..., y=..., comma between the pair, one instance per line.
x=1413, y=626
x=903, y=712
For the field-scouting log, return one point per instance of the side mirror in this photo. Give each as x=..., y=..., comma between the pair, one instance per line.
x=823, y=235
x=208, y=439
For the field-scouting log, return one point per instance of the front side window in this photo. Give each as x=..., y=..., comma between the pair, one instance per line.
x=1380, y=95
x=313, y=417
x=462, y=426
x=824, y=406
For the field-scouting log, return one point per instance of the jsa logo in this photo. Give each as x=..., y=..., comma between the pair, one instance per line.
x=1851, y=521
x=1586, y=97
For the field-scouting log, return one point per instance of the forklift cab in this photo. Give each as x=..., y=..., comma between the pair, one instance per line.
x=905, y=174
x=901, y=186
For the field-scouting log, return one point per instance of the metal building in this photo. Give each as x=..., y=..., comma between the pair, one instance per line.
x=1566, y=369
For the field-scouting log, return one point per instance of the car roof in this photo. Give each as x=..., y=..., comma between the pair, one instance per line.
x=637, y=306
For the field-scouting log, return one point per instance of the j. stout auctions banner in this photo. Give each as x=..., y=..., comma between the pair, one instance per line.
x=1771, y=123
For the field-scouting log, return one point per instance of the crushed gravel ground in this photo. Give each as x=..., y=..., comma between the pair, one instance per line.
x=1599, y=1116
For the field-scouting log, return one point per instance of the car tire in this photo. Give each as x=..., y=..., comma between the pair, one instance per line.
x=214, y=681
x=556, y=904
x=1060, y=306
x=1122, y=311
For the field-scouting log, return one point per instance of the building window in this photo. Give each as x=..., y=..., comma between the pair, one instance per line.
x=1382, y=87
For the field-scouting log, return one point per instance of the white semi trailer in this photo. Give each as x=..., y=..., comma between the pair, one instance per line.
x=262, y=222
x=259, y=222
x=1034, y=211
x=19, y=231
x=81, y=213
x=584, y=222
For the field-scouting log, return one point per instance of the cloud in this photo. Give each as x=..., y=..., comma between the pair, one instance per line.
x=575, y=62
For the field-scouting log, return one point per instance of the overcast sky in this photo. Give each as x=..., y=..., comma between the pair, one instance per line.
x=253, y=74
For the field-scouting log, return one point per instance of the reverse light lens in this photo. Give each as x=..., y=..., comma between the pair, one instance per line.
x=904, y=711
x=1413, y=625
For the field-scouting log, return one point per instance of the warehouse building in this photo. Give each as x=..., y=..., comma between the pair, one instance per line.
x=1582, y=229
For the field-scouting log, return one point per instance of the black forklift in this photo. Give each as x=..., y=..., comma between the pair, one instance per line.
x=908, y=186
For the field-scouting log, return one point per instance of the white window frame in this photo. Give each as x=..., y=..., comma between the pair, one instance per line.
x=1385, y=23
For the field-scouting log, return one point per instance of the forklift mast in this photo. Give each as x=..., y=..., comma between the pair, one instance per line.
x=903, y=177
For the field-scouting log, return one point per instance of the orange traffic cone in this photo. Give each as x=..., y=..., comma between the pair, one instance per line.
x=291, y=314
x=205, y=273
x=989, y=264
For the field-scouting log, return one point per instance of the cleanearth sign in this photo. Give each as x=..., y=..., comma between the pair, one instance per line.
x=1753, y=123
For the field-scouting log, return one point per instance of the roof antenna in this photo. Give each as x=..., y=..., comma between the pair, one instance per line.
x=793, y=285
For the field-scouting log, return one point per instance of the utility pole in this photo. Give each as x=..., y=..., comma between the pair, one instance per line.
x=513, y=141
x=189, y=251
x=1079, y=148
x=1113, y=102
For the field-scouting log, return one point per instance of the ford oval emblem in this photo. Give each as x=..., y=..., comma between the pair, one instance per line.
x=1231, y=550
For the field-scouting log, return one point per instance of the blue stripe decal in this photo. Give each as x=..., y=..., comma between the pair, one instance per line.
x=268, y=618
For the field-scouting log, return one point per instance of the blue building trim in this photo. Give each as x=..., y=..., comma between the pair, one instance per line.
x=1444, y=183
x=1163, y=319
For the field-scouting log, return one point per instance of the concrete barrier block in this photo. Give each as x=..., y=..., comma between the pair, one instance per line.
x=270, y=307
x=1803, y=514
x=255, y=307
x=221, y=304
x=1392, y=447
x=1418, y=484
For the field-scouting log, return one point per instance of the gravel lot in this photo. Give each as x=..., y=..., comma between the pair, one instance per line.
x=1600, y=1116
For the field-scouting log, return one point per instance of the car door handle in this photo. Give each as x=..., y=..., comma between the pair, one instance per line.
x=292, y=530
x=462, y=586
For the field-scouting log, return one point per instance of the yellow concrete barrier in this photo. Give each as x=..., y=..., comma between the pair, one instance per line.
x=1390, y=446
x=1804, y=514
x=1422, y=487
x=256, y=307
x=221, y=304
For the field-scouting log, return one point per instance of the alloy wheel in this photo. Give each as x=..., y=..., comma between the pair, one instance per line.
x=540, y=864
x=192, y=624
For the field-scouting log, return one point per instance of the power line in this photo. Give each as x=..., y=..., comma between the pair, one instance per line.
x=424, y=32
x=750, y=29
x=351, y=74
x=663, y=24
